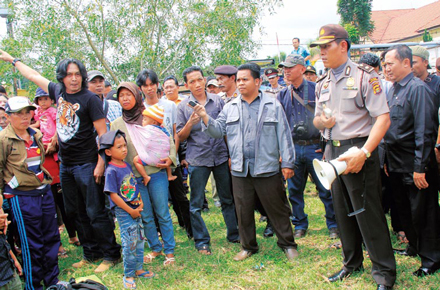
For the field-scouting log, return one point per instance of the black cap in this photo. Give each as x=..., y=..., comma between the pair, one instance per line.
x=107, y=140
x=226, y=70
x=271, y=73
x=310, y=68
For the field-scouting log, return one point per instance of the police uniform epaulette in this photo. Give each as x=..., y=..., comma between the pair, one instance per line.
x=366, y=67
x=322, y=77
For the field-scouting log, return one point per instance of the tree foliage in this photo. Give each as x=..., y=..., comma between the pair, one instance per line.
x=122, y=37
x=356, y=15
x=426, y=36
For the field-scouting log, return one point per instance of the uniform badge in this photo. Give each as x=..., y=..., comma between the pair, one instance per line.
x=326, y=85
x=375, y=84
x=350, y=82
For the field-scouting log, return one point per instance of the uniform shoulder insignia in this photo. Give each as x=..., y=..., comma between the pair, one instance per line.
x=322, y=77
x=366, y=67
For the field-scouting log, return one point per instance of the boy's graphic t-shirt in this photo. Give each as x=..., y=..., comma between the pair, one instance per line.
x=121, y=180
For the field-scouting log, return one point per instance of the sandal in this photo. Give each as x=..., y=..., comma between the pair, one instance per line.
x=62, y=254
x=150, y=257
x=336, y=246
x=128, y=284
x=205, y=250
x=402, y=237
x=146, y=274
x=75, y=243
x=169, y=261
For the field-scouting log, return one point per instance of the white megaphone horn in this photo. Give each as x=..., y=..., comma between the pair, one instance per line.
x=326, y=172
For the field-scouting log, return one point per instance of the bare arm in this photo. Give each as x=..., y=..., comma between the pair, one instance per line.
x=101, y=128
x=27, y=72
x=355, y=161
x=135, y=213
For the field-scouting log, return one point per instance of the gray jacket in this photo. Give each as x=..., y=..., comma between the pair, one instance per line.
x=273, y=139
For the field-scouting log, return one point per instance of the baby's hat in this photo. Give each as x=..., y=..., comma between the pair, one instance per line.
x=155, y=112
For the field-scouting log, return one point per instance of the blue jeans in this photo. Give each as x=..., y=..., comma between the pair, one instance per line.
x=132, y=242
x=84, y=202
x=198, y=177
x=296, y=185
x=155, y=197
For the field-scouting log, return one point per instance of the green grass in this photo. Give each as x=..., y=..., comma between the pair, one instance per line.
x=194, y=271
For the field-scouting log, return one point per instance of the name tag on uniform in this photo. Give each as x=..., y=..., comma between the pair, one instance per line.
x=325, y=91
x=350, y=88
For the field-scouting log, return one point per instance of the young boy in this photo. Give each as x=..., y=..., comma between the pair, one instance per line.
x=120, y=184
x=26, y=184
x=156, y=140
x=9, y=265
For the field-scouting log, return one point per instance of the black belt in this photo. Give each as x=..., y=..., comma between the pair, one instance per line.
x=306, y=142
x=353, y=141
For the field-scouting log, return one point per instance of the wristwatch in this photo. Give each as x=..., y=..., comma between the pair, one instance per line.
x=367, y=153
x=15, y=61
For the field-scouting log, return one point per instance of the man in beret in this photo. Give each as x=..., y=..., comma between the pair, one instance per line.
x=226, y=77
x=272, y=76
x=310, y=74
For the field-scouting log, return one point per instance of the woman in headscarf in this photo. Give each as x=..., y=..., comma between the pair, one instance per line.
x=155, y=193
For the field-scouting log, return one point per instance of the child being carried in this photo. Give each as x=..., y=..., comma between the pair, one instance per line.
x=155, y=140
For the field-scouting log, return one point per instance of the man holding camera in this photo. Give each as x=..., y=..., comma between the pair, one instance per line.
x=298, y=101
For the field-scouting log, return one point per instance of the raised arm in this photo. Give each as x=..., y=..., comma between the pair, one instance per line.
x=26, y=71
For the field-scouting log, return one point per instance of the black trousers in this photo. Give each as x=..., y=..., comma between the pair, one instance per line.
x=369, y=226
x=419, y=213
x=180, y=201
x=271, y=192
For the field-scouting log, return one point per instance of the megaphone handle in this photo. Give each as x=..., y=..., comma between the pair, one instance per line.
x=347, y=201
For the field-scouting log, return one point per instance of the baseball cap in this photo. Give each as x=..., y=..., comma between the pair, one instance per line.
x=155, y=112
x=329, y=33
x=212, y=82
x=292, y=60
x=422, y=52
x=16, y=104
x=271, y=73
x=93, y=74
x=310, y=68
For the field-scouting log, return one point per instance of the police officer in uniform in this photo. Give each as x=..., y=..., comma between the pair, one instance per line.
x=272, y=76
x=310, y=74
x=352, y=111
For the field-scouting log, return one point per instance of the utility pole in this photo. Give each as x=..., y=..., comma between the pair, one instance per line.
x=4, y=13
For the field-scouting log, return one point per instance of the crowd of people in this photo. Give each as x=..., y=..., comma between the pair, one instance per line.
x=93, y=154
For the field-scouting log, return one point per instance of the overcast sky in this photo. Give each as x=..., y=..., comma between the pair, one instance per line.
x=304, y=18
x=300, y=19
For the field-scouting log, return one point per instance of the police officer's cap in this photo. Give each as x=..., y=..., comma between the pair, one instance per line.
x=329, y=33
x=310, y=68
x=271, y=73
x=226, y=70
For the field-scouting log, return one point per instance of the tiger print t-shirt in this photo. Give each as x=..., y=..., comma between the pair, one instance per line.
x=75, y=116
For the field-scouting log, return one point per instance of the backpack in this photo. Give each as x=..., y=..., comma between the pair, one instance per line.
x=88, y=284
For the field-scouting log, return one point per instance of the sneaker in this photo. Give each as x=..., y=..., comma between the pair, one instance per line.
x=105, y=265
x=217, y=203
x=81, y=264
x=333, y=233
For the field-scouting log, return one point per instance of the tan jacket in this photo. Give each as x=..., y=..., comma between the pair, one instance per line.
x=13, y=161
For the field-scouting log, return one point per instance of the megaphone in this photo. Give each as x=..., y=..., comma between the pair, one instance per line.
x=328, y=171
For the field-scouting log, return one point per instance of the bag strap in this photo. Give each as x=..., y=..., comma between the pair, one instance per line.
x=298, y=98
